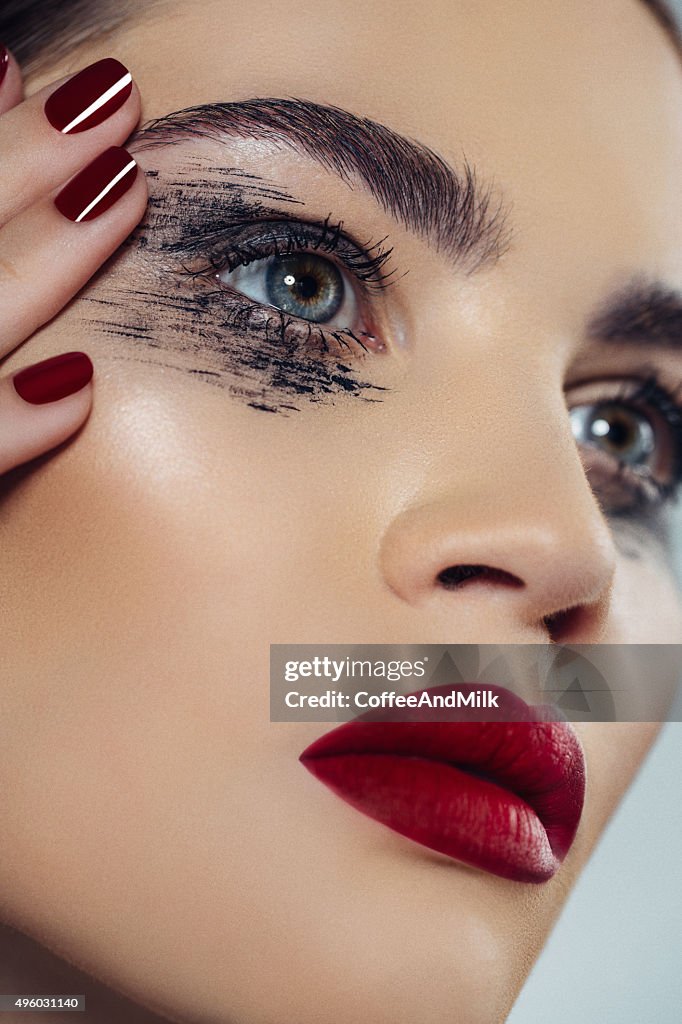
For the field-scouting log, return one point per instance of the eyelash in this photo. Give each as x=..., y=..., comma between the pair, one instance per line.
x=648, y=494
x=251, y=241
x=278, y=237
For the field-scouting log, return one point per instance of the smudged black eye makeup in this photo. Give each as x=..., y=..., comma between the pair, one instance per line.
x=314, y=278
x=235, y=283
x=631, y=438
x=229, y=279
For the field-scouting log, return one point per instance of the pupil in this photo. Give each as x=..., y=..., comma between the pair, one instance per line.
x=619, y=433
x=625, y=433
x=306, y=286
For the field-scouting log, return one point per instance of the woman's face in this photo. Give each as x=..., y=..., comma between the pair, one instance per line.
x=246, y=480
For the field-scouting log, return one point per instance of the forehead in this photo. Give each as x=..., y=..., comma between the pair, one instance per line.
x=451, y=73
x=564, y=105
x=455, y=70
x=567, y=107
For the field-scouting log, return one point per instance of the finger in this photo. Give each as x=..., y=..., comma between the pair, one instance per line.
x=11, y=90
x=51, y=250
x=42, y=405
x=48, y=137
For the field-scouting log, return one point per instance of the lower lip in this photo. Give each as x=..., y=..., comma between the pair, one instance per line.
x=505, y=797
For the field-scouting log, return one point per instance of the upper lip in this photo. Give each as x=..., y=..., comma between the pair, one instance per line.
x=506, y=796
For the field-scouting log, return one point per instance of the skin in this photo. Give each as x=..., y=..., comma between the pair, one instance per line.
x=192, y=863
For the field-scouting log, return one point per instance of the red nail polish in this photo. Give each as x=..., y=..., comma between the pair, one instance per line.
x=4, y=62
x=90, y=97
x=53, y=378
x=98, y=186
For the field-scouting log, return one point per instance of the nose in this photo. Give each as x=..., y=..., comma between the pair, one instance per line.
x=502, y=560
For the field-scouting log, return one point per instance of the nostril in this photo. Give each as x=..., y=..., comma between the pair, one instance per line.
x=578, y=623
x=456, y=576
x=563, y=626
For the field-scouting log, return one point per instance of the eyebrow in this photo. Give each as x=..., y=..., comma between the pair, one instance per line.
x=453, y=210
x=647, y=314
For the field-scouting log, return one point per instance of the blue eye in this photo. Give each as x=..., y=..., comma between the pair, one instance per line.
x=631, y=441
x=624, y=433
x=302, y=284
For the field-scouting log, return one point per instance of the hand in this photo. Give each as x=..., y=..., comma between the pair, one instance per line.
x=69, y=196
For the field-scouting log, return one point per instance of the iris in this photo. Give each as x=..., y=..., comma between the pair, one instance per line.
x=305, y=285
x=622, y=432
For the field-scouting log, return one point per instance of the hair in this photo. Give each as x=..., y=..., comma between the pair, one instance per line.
x=34, y=28
x=661, y=10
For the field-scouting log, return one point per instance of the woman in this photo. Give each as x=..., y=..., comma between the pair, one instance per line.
x=390, y=357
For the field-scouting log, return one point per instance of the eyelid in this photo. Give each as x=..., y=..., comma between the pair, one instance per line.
x=665, y=409
x=253, y=239
x=285, y=235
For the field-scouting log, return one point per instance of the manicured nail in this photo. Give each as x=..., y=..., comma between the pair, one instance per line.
x=53, y=378
x=98, y=186
x=90, y=97
x=4, y=62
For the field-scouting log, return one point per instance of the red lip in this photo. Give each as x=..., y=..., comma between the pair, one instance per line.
x=502, y=796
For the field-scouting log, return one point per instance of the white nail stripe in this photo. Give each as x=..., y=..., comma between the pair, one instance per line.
x=104, y=191
x=99, y=102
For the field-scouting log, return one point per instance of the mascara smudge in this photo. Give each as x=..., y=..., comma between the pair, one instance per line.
x=232, y=344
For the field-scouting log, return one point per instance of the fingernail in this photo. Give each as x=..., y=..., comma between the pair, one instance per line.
x=53, y=378
x=4, y=62
x=90, y=97
x=98, y=186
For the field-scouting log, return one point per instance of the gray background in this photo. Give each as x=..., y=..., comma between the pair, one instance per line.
x=614, y=957
x=616, y=954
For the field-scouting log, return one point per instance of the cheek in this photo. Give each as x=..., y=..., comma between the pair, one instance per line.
x=163, y=556
x=646, y=600
x=140, y=720
x=133, y=558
